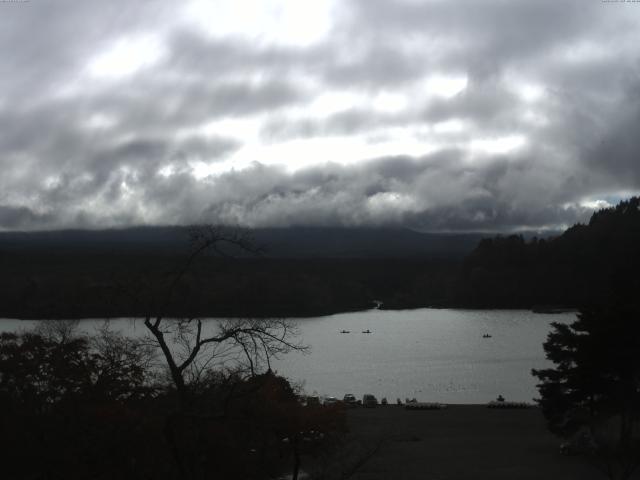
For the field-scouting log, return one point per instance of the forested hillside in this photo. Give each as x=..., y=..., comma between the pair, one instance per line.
x=586, y=264
x=296, y=272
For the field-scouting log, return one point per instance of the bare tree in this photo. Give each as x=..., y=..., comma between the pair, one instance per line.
x=58, y=331
x=124, y=365
x=190, y=346
x=193, y=348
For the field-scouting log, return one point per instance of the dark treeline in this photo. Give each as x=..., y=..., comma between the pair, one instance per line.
x=296, y=272
x=587, y=264
x=112, y=274
x=70, y=285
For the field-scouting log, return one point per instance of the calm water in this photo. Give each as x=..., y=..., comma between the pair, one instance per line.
x=433, y=355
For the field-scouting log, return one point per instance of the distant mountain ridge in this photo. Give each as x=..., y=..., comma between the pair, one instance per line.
x=294, y=242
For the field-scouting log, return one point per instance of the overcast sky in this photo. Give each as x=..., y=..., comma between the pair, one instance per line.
x=437, y=115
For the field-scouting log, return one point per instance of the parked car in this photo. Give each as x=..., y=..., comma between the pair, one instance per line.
x=313, y=401
x=331, y=401
x=350, y=400
x=369, y=401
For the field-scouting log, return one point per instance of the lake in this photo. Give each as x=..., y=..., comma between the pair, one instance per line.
x=435, y=355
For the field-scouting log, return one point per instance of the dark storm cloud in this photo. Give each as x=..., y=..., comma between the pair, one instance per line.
x=437, y=192
x=21, y=217
x=77, y=150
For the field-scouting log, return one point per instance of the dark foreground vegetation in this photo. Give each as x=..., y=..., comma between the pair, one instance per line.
x=591, y=396
x=78, y=407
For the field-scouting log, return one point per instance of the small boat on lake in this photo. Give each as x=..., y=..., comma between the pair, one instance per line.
x=345, y=331
x=486, y=335
x=366, y=331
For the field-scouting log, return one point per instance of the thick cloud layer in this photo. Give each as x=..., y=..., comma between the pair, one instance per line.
x=436, y=115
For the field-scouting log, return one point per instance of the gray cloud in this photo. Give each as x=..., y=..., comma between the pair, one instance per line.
x=79, y=151
x=615, y=153
x=437, y=192
x=22, y=217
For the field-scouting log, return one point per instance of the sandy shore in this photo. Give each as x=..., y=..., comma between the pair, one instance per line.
x=461, y=442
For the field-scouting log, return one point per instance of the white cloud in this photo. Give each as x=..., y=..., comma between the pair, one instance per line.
x=530, y=92
x=499, y=145
x=390, y=102
x=450, y=126
x=286, y=22
x=328, y=103
x=445, y=85
x=100, y=121
x=126, y=56
x=595, y=204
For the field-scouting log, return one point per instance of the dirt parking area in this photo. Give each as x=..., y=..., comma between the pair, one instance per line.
x=461, y=442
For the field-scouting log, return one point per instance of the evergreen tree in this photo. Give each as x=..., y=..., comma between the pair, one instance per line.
x=595, y=384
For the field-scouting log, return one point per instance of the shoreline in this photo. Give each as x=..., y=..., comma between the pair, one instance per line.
x=537, y=311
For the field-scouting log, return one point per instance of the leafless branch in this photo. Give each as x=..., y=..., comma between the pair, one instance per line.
x=259, y=340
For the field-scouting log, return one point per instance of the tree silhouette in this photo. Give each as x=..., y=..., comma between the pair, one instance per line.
x=586, y=264
x=595, y=385
x=239, y=349
x=91, y=405
x=72, y=405
x=188, y=346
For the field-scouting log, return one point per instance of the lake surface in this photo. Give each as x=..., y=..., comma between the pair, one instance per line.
x=436, y=355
